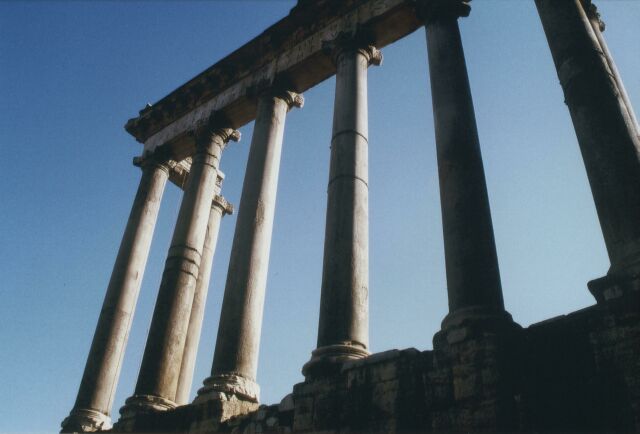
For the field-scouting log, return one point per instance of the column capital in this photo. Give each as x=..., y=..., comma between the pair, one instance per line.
x=207, y=134
x=228, y=134
x=222, y=203
x=154, y=161
x=282, y=92
x=592, y=13
x=292, y=99
x=435, y=10
x=349, y=42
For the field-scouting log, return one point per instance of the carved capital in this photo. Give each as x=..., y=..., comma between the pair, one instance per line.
x=154, y=161
x=223, y=204
x=282, y=92
x=291, y=98
x=592, y=13
x=374, y=56
x=358, y=42
x=228, y=134
x=437, y=10
x=206, y=135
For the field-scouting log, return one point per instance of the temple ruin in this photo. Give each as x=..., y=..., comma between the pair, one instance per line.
x=577, y=372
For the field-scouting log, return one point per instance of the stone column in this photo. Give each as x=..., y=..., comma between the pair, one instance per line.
x=235, y=361
x=219, y=208
x=343, y=330
x=473, y=278
x=598, y=27
x=92, y=408
x=607, y=137
x=158, y=379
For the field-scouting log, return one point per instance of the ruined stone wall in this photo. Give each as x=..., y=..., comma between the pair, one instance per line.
x=579, y=372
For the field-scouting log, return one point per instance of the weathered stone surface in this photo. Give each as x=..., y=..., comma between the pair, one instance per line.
x=92, y=408
x=607, y=134
x=579, y=372
x=343, y=329
x=157, y=383
x=235, y=360
x=219, y=207
x=473, y=278
x=291, y=48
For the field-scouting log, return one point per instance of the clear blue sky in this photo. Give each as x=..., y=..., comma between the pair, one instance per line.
x=72, y=73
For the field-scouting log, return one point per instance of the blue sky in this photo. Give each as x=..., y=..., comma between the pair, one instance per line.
x=72, y=73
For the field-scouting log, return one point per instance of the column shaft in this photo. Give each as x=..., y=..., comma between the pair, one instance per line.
x=604, y=127
x=598, y=27
x=219, y=208
x=95, y=396
x=235, y=361
x=473, y=278
x=343, y=329
x=158, y=379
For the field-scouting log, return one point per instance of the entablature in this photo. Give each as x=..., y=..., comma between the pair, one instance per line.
x=290, y=52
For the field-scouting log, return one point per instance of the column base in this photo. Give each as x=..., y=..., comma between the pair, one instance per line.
x=140, y=405
x=211, y=410
x=615, y=286
x=86, y=420
x=223, y=386
x=475, y=314
x=478, y=351
x=328, y=360
x=474, y=321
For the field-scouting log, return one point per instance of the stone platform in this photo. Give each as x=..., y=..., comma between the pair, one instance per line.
x=577, y=372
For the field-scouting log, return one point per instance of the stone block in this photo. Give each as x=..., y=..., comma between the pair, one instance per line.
x=303, y=414
x=584, y=360
x=384, y=398
x=328, y=411
x=287, y=403
x=271, y=422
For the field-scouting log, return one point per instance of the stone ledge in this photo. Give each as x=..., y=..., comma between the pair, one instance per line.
x=576, y=372
x=289, y=51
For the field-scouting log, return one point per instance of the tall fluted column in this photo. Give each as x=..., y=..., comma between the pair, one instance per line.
x=473, y=278
x=92, y=408
x=343, y=330
x=219, y=208
x=235, y=361
x=606, y=134
x=158, y=379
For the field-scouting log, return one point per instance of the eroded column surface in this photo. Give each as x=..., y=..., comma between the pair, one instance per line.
x=343, y=330
x=598, y=28
x=473, y=278
x=219, y=208
x=235, y=361
x=606, y=134
x=158, y=379
x=92, y=408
